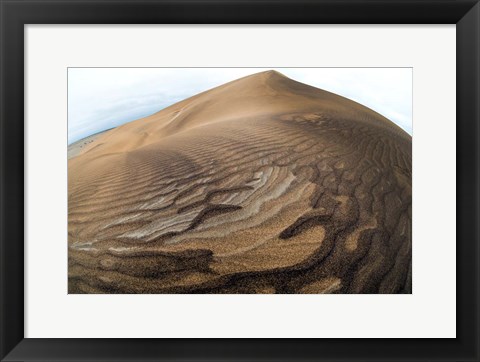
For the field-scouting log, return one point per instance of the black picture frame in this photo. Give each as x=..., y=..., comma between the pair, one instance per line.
x=16, y=13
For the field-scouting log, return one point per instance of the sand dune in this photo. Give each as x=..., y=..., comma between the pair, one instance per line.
x=261, y=185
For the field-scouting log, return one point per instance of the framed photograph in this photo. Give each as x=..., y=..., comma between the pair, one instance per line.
x=239, y=180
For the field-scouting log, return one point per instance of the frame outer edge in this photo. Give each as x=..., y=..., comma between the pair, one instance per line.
x=12, y=178
x=11, y=107
x=468, y=181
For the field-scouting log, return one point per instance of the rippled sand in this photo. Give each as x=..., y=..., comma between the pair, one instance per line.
x=262, y=185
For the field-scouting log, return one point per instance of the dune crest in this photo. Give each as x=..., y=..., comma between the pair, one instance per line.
x=261, y=185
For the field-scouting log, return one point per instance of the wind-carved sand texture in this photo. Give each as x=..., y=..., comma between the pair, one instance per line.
x=261, y=185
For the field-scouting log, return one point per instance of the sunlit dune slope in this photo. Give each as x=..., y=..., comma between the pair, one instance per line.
x=261, y=185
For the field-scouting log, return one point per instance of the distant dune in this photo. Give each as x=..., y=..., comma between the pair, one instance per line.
x=77, y=147
x=261, y=185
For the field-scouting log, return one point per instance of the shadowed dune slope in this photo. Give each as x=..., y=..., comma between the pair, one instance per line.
x=261, y=185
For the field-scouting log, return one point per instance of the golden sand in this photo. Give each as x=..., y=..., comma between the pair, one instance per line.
x=261, y=185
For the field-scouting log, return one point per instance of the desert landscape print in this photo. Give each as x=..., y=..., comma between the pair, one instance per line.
x=265, y=183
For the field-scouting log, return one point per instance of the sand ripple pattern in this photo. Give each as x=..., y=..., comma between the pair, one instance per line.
x=300, y=201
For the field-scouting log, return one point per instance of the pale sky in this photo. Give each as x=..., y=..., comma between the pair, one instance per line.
x=102, y=98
